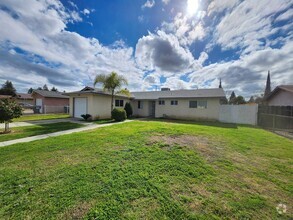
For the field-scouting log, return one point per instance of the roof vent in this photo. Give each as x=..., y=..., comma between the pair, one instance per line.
x=165, y=89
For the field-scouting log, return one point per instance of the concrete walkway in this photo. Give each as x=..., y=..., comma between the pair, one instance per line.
x=55, y=134
x=42, y=122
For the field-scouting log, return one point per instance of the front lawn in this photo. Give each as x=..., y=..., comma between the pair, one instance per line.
x=36, y=117
x=28, y=131
x=149, y=170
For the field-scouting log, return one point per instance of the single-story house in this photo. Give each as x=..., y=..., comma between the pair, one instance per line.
x=50, y=101
x=24, y=99
x=180, y=104
x=5, y=97
x=281, y=96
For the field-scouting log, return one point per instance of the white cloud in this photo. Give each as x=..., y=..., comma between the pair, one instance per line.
x=186, y=29
x=287, y=15
x=53, y=53
x=140, y=18
x=248, y=24
x=148, y=4
x=166, y=2
x=163, y=52
x=86, y=11
x=219, y=6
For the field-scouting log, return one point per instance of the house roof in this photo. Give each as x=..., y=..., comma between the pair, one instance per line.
x=287, y=88
x=91, y=90
x=184, y=93
x=51, y=94
x=24, y=96
x=151, y=95
x=5, y=96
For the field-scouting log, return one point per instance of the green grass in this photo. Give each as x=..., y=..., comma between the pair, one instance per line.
x=28, y=131
x=36, y=117
x=149, y=170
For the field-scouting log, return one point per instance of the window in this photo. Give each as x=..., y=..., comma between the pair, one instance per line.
x=139, y=104
x=202, y=104
x=161, y=102
x=198, y=104
x=192, y=104
x=119, y=103
x=174, y=102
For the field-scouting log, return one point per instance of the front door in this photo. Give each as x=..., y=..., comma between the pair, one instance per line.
x=152, y=108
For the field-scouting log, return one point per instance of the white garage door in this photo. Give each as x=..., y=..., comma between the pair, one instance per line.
x=80, y=107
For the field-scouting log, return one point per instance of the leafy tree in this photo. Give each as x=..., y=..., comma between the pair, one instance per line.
x=45, y=87
x=8, y=89
x=128, y=109
x=9, y=109
x=39, y=88
x=30, y=91
x=239, y=100
x=232, y=98
x=251, y=100
x=54, y=89
x=112, y=82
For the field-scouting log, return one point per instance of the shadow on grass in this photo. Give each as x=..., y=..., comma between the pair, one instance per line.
x=205, y=123
x=29, y=131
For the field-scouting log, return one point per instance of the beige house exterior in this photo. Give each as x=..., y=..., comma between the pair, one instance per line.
x=179, y=104
x=281, y=96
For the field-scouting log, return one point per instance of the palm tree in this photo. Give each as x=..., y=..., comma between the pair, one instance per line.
x=112, y=82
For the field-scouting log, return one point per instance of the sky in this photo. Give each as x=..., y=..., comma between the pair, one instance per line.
x=180, y=44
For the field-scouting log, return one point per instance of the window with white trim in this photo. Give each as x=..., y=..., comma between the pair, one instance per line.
x=174, y=102
x=202, y=104
x=161, y=102
x=119, y=103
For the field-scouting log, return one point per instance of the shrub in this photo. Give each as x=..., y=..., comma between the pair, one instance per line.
x=86, y=117
x=128, y=109
x=118, y=114
x=9, y=110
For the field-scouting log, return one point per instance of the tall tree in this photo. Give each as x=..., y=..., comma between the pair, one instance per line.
x=45, y=87
x=220, y=86
x=251, y=100
x=30, y=91
x=268, y=85
x=8, y=89
x=112, y=82
x=232, y=98
x=54, y=89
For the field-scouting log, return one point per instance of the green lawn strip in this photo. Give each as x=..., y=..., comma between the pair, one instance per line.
x=36, y=117
x=120, y=172
x=28, y=131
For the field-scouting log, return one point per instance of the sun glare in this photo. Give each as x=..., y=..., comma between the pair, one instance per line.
x=192, y=6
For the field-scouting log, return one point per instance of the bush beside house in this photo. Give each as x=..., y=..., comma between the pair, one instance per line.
x=118, y=114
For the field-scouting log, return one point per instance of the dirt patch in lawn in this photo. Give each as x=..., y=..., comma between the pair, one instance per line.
x=79, y=211
x=200, y=144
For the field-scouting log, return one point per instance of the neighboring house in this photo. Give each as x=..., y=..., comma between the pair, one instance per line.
x=281, y=96
x=25, y=99
x=5, y=97
x=50, y=102
x=181, y=104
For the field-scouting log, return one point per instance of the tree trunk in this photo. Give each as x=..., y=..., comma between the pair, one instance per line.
x=6, y=130
x=112, y=99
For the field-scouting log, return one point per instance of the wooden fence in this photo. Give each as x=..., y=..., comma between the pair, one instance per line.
x=276, y=117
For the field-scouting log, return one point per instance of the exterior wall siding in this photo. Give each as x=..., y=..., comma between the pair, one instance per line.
x=144, y=111
x=182, y=110
x=281, y=98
